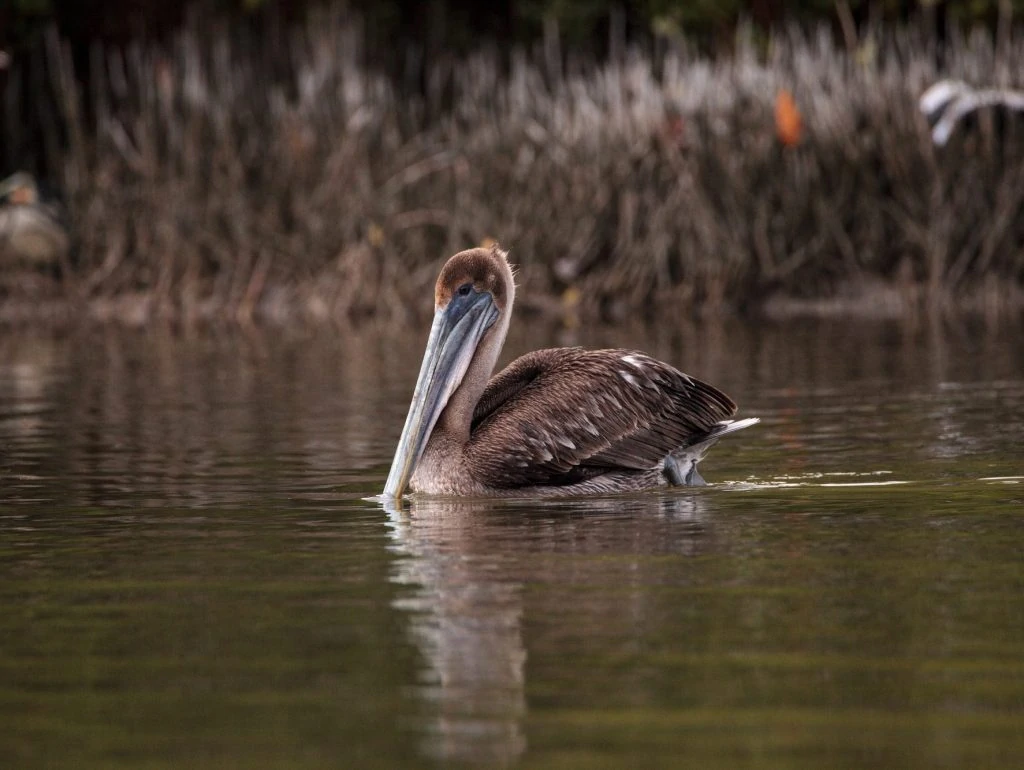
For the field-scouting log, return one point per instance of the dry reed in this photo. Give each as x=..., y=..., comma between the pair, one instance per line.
x=209, y=178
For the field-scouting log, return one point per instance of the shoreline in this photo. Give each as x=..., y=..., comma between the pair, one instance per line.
x=864, y=301
x=793, y=179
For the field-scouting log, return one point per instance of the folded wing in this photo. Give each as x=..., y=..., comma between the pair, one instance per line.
x=563, y=415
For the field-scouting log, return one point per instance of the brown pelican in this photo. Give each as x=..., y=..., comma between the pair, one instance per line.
x=31, y=231
x=557, y=422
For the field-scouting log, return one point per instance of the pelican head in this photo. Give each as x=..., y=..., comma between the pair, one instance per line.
x=474, y=290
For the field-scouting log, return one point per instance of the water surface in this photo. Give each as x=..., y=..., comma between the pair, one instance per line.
x=190, y=574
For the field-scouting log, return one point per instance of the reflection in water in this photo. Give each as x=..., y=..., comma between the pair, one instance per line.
x=189, y=576
x=25, y=373
x=114, y=418
x=466, y=620
x=464, y=567
x=144, y=419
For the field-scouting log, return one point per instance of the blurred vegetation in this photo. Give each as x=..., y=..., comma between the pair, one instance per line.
x=272, y=169
x=458, y=27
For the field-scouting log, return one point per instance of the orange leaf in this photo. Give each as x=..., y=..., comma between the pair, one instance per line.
x=788, y=123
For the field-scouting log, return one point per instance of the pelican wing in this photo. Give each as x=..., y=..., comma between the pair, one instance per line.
x=564, y=415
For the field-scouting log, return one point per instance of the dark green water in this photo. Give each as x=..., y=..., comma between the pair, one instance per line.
x=190, y=576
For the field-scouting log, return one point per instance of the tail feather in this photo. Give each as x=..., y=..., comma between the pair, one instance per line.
x=680, y=467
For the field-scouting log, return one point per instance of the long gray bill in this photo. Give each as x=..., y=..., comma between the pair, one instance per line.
x=454, y=336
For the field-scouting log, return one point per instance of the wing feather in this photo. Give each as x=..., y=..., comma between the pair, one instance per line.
x=563, y=415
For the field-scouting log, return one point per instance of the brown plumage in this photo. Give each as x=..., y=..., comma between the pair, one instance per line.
x=561, y=421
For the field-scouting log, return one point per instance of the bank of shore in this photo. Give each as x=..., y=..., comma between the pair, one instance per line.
x=205, y=179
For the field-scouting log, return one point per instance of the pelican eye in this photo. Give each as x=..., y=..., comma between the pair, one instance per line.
x=465, y=289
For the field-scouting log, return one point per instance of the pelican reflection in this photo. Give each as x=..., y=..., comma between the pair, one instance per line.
x=463, y=566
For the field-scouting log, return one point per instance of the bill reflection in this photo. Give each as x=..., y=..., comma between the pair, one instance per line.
x=463, y=568
x=466, y=620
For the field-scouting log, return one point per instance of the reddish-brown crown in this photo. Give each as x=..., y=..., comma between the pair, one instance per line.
x=487, y=269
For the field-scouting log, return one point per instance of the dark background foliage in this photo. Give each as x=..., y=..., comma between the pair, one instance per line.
x=407, y=29
x=283, y=159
